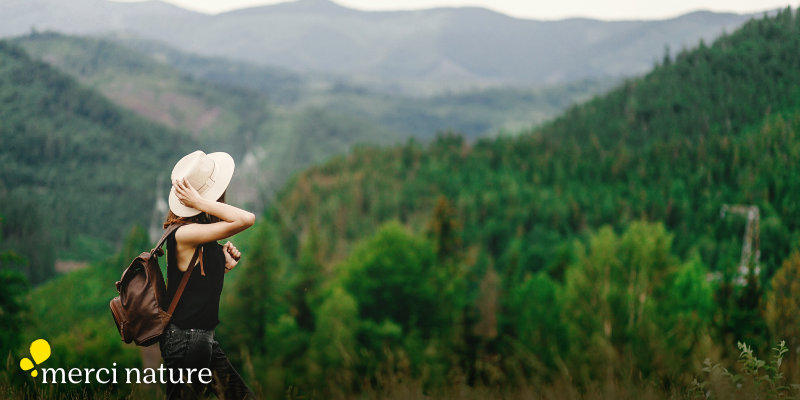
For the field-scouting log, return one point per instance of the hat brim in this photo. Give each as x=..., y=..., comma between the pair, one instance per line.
x=223, y=172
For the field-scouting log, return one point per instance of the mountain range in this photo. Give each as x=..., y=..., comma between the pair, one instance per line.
x=453, y=46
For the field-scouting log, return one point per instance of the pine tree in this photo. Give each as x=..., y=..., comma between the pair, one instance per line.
x=259, y=290
x=309, y=275
x=444, y=228
x=13, y=288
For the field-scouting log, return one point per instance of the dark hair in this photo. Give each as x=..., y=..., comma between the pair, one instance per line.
x=202, y=218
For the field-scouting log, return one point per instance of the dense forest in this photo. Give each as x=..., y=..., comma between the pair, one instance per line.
x=593, y=244
x=585, y=257
x=220, y=116
x=77, y=169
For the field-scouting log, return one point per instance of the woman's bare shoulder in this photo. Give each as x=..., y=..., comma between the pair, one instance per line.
x=180, y=233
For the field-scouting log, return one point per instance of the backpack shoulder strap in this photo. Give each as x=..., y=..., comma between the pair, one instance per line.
x=157, y=250
x=198, y=252
x=185, y=280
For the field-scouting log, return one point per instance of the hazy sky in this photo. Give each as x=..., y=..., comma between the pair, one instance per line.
x=540, y=9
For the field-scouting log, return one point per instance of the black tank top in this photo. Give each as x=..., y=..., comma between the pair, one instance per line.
x=199, y=305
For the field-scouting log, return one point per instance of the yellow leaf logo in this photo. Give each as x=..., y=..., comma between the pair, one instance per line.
x=40, y=351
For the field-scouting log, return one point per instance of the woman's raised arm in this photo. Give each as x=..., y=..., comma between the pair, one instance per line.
x=234, y=220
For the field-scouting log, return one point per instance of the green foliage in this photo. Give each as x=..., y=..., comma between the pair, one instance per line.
x=670, y=146
x=622, y=297
x=687, y=311
x=88, y=249
x=395, y=307
x=783, y=305
x=73, y=163
x=357, y=325
x=404, y=302
x=758, y=378
x=257, y=301
x=223, y=118
x=23, y=232
x=333, y=352
x=716, y=125
x=533, y=325
x=69, y=300
x=13, y=289
x=72, y=310
x=390, y=266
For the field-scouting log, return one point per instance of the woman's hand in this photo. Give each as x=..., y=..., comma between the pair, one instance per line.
x=232, y=255
x=187, y=194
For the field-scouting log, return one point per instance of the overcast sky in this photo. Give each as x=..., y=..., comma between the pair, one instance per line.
x=539, y=9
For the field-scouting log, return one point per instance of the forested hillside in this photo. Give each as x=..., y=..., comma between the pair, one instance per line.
x=220, y=116
x=672, y=146
x=506, y=236
x=78, y=171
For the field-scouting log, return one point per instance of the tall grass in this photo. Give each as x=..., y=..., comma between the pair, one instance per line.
x=748, y=378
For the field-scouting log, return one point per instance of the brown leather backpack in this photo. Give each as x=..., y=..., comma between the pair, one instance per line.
x=138, y=311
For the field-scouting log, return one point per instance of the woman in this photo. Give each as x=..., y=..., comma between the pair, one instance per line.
x=197, y=202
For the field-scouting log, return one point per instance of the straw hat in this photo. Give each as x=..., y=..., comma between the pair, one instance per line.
x=209, y=174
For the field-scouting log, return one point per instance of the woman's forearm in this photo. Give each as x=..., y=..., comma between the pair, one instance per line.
x=226, y=212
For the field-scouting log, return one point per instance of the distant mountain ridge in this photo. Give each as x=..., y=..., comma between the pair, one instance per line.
x=300, y=6
x=468, y=45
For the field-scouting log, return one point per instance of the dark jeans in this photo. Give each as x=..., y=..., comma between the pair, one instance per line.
x=196, y=348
